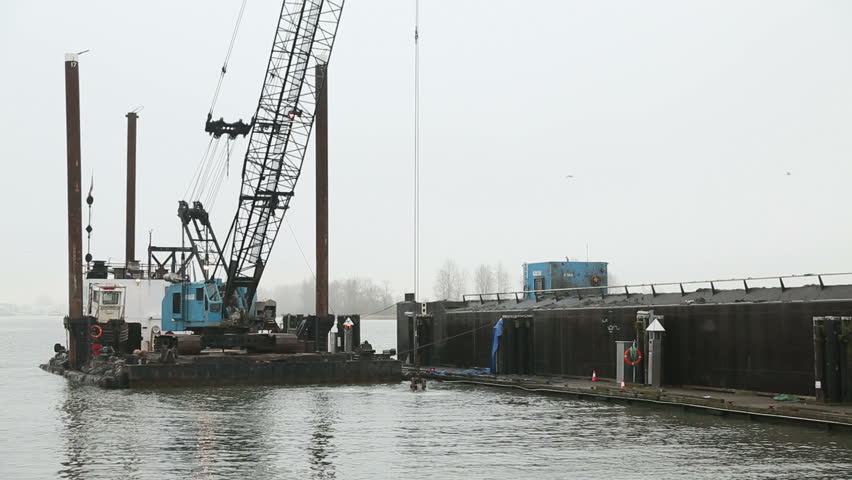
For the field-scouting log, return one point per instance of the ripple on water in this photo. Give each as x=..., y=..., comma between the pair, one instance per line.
x=51, y=429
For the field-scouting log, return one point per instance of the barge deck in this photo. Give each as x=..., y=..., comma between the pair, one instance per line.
x=755, y=406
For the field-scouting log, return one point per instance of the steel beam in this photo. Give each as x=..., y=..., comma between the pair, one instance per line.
x=130, y=232
x=322, y=189
x=75, y=213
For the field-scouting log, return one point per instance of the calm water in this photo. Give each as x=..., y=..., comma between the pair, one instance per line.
x=49, y=429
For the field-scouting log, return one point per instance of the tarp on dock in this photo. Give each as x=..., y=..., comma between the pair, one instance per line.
x=495, y=344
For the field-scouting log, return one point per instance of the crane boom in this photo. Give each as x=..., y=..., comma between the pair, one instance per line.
x=278, y=142
x=278, y=139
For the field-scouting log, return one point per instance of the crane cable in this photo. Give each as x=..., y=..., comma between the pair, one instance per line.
x=305, y=258
x=227, y=57
x=201, y=177
x=196, y=186
x=416, y=148
x=218, y=180
x=444, y=340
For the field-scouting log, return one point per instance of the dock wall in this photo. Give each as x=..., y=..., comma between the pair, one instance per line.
x=760, y=346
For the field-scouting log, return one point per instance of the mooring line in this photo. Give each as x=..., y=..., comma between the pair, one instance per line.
x=445, y=339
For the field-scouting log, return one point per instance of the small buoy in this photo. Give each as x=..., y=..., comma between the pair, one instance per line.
x=594, y=376
x=623, y=386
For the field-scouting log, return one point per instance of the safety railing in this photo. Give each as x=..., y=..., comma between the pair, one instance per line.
x=603, y=291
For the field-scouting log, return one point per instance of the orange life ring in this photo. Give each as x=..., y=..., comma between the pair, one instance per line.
x=631, y=362
x=96, y=331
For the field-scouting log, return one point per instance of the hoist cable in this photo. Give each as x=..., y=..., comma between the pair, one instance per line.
x=305, y=258
x=228, y=56
x=223, y=171
x=194, y=177
x=417, y=149
x=212, y=174
x=210, y=181
x=202, y=172
x=201, y=181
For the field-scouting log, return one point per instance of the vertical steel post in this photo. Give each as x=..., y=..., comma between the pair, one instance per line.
x=149, y=254
x=75, y=214
x=321, y=118
x=130, y=232
x=831, y=354
x=332, y=338
x=347, y=339
x=415, y=320
x=819, y=360
x=75, y=324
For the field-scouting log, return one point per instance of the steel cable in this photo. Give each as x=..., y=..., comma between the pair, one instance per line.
x=227, y=57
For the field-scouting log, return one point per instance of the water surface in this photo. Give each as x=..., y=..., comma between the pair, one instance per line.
x=50, y=429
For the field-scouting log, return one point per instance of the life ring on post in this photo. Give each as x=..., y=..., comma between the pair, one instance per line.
x=96, y=331
x=632, y=359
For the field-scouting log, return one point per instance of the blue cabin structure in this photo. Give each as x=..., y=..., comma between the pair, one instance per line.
x=195, y=305
x=550, y=275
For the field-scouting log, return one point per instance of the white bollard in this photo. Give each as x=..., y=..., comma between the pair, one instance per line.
x=332, y=338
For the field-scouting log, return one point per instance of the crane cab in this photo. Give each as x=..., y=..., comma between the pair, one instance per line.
x=193, y=305
x=106, y=302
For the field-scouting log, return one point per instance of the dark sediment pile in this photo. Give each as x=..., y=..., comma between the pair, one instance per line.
x=107, y=371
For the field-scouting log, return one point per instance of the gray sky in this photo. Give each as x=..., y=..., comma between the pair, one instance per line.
x=678, y=121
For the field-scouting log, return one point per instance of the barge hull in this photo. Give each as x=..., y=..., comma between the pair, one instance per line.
x=265, y=370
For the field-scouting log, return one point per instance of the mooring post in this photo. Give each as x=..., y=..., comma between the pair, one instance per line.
x=332, y=338
x=130, y=232
x=415, y=340
x=76, y=325
x=654, y=365
x=831, y=381
x=322, y=189
x=347, y=335
x=819, y=360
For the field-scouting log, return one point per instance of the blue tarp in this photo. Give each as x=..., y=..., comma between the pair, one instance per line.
x=495, y=344
x=476, y=371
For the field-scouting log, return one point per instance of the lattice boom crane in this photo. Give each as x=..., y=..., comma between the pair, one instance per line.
x=278, y=140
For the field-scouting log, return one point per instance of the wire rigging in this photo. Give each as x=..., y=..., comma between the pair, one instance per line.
x=446, y=339
x=416, y=148
x=201, y=179
x=305, y=258
x=210, y=167
x=219, y=179
x=227, y=57
x=194, y=179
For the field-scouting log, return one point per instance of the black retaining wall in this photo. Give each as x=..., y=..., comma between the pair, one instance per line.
x=762, y=346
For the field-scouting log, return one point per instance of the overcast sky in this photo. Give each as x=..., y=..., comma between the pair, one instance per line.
x=677, y=120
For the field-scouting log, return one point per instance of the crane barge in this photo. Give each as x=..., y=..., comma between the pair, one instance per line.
x=221, y=307
x=220, y=311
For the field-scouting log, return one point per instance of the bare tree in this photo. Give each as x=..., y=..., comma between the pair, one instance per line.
x=351, y=295
x=503, y=283
x=449, y=281
x=483, y=279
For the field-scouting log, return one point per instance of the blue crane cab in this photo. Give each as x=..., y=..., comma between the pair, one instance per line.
x=196, y=305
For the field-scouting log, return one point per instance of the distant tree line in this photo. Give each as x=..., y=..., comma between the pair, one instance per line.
x=451, y=280
x=352, y=295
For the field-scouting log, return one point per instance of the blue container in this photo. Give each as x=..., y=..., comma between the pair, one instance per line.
x=550, y=275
